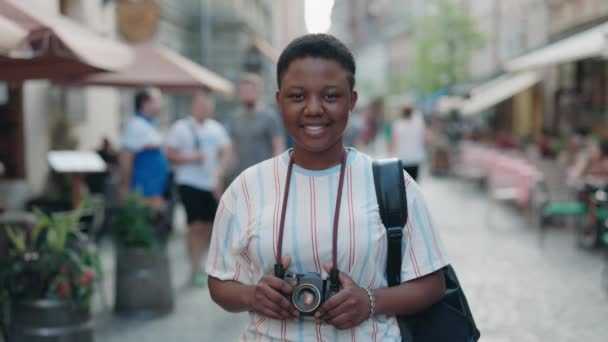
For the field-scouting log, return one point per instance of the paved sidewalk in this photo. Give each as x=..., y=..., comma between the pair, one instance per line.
x=517, y=290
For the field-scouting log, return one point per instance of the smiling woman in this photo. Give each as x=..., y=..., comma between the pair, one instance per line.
x=331, y=283
x=318, y=15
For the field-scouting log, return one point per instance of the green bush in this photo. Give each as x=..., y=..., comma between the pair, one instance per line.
x=135, y=224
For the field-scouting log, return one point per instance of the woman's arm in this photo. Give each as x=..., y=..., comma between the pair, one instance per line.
x=411, y=297
x=231, y=295
x=351, y=305
x=267, y=297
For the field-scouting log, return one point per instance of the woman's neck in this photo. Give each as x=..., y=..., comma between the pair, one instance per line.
x=319, y=160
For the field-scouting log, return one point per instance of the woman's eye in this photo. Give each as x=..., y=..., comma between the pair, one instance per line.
x=331, y=97
x=296, y=97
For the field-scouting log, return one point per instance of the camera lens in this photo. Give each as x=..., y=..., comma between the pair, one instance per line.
x=306, y=298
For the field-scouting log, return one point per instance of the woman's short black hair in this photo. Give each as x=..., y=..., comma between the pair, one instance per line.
x=142, y=96
x=318, y=45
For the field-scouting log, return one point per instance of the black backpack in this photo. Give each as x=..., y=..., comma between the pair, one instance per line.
x=448, y=320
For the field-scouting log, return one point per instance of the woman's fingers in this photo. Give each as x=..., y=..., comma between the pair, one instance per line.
x=269, y=297
x=343, y=321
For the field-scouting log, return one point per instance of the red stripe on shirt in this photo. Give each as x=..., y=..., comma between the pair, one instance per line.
x=313, y=224
x=238, y=271
x=412, y=254
x=352, y=334
x=283, y=330
x=258, y=323
x=246, y=256
x=276, y=206
x=319, y=336
x=247, y=199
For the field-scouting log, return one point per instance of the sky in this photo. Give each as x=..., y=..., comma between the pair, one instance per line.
x=318, y=15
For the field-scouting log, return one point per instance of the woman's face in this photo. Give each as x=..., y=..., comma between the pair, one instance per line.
x=315, y=100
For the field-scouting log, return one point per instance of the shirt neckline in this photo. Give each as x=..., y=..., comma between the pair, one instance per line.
x=352, y=154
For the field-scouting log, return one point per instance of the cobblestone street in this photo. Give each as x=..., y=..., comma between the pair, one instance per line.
x=518, y=291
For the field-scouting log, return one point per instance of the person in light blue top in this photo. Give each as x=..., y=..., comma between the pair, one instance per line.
x=144, y=167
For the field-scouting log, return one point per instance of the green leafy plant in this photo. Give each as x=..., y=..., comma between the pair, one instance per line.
x=445, y=40
x=136, y=224
x=52, y=261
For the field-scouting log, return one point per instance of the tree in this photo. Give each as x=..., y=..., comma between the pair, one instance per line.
x=444, y=41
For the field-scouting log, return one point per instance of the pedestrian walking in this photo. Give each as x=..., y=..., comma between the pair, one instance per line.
x=199, y=147
x=143, y=164
x=288, y=206
x=255, y=129
x=407, y=141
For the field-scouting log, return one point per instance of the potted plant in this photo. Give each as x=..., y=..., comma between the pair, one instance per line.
x=143, y=280
x=48, y=280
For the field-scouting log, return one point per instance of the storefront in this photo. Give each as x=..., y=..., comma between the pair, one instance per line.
x=54, y=48
x=577, y=69
x=511, y=103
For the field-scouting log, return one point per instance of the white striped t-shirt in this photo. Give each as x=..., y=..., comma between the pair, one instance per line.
x=244, y=240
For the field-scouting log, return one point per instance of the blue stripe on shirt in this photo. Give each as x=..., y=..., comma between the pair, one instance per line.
x=226, y=249
x=368, y=194
x=425, y=233
x=293, y=209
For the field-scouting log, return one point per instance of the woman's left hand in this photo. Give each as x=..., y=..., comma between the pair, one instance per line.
x=348, y=308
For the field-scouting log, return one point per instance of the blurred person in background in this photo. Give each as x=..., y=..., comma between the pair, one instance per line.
x=255, y=130
x=373, y=121
x=407, y=142
x=354, y=130
x=144, y=167
x=592, y=165
x=96, y=182
x=199, y=147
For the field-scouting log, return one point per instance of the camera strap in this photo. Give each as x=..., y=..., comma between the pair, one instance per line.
x=278, y=267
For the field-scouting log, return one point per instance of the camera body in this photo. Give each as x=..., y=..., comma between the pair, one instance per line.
x=310, y=291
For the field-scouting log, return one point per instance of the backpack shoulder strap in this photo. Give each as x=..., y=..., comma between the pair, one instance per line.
x=392, y=203
x=195, y=138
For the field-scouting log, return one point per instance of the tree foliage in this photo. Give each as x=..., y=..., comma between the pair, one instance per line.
x=445, y=39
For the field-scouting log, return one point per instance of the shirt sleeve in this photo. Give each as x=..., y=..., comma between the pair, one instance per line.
x=133, y=138
x=228, y=258
x=223, y=137
x=174, y=138
x=421, y=248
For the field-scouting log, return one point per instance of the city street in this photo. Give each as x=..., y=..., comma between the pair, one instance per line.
x=517, y=290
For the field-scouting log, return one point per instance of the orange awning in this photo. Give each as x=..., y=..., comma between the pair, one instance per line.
x=158, y=66
x=58, y=48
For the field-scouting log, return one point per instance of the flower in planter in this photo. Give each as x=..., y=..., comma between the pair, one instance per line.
x=54, y=260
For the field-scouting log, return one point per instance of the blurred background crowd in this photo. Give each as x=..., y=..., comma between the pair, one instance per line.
x=498, y=107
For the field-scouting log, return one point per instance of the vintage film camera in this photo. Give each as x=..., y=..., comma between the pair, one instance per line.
x=310, y=291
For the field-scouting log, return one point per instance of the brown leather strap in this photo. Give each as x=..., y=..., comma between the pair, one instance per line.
x=336, y=213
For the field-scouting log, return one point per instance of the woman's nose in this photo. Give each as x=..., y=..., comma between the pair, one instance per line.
x=313, y=106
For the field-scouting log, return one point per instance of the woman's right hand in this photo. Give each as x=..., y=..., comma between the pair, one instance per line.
x=270, y=296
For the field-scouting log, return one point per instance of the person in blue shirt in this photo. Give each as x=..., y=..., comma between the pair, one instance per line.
x=144, y=166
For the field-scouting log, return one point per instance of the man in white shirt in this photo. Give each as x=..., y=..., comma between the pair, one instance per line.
x=199, y=147
x=407, y=142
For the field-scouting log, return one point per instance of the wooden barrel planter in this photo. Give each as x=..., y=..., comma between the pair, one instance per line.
x=50, y=320
x=143, y=283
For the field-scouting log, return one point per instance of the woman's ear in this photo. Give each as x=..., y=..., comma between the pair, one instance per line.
x=276, y=97
x=353, y=99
